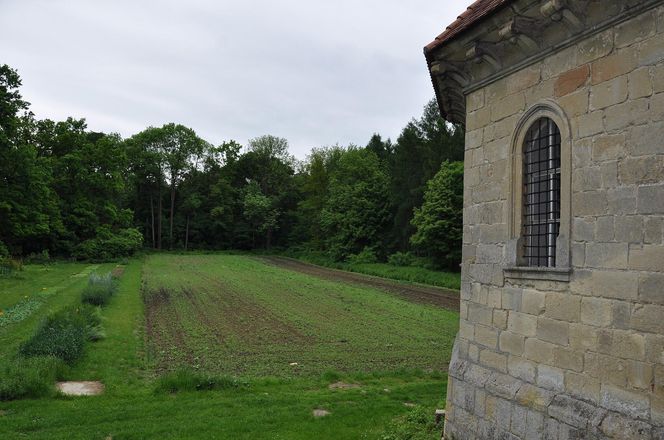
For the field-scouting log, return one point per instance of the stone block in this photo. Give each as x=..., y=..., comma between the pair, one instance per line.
x=608, y=147
x=651, y=200
x=475, y=100
x=563, y=61
x=477, y=375
x=620, y=314
x=466, y=330
x=521, y=368
x=609, y=171
x=479, y=118
x=534, y=425
x=502, y=385
x=646, y=139
x=606, y=284
x=534, y=397
x=640, y=375
x=632, y=112
x=519, y=424
x=596, y=47
x=597, y=312
x=582, y=386
x=590, y=203
x=486, y=336
x=500, y=319
x=603, y=230
x=480, y=314
x=629, y=345
x=616, y=426
x=621, y=200
x=568, y=359
x=539, y=351
x=647, y=257
x=512, y=343
x=582, y=337
x=640, y=84
x=508, y=106
x=554, y=331
x=658, y=78
x=491, y=359
x=576, y=103
x=512, y=298
x=655, y=349
x=653, y=230
x=590, y=124
x=606, y=255
x=550, y=378
x=571, y=80
x=648, y=318
x=609, y=93
x=651, y=51
x=586, y=179
x=533, y=302
x=613, y=370
x=522, y=324
x=572, y=411
x=635, y=30
x=563, y=306
x=503, y=417
x=629, y=229
x=629, y=403
x=581, y=153
x=651, y=288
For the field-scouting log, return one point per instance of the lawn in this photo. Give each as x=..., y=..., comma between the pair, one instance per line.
x=284, y=337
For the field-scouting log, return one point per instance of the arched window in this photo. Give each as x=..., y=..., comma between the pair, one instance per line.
x=540, y=200
x=541, y=193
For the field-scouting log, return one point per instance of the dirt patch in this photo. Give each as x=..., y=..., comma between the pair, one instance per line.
x=117, y=271
x=80, y=388
x=343, y=386
x=448, y=299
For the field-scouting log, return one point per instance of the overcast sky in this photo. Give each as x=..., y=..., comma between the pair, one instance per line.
x=315, y=72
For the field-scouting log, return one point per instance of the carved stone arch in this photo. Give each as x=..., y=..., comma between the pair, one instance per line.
x=543, y=109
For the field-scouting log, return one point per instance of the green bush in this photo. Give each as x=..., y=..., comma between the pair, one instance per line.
x=187, y=380
x=99, y=290
x=108, y=245
x=401, y=259
x=367, y=255
x=4, y=252
x=39, y=258
x=418, y=424
x=63, y=335
x=9, y=266
x=28, y=378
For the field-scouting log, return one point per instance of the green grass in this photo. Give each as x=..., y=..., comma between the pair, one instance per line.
x=413, y=274
x=266, y=310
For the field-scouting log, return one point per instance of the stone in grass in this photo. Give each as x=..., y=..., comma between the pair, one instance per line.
x=80, y=388
x=319, y=412
x=343, y=386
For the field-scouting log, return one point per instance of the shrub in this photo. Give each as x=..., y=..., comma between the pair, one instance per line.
x=9, y=266
x=4, y=252
x=368, y=255
x=41, y=258
x=187, y=380
x=418, y=424
x=401, y=259
x=108, y=245
x=63, y=335
x=28, y=378
x=99, y=290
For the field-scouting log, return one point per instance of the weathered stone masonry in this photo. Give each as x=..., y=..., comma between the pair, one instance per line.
x=575, y=351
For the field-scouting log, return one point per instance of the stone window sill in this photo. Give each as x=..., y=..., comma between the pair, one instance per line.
x=538, y=273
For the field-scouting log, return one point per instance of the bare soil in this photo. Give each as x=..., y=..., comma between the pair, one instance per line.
x=445, y=298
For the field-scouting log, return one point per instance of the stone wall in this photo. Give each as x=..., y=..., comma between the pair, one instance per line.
x=582, y=358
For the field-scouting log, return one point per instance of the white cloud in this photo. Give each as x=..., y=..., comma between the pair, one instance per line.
x=315, y=72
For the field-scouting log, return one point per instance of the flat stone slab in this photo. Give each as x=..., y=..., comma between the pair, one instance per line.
x=343, y=386
x=80, y=388
x=319, y=412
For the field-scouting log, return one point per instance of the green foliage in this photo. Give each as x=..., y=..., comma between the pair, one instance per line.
x=356, y=211
x=63, y=334
x=367, y=255
x=401, y=259
x=19, y=311
x=33, y=377
x=4, y=252
x=439, y=221
x=418, y=424
x=99, y=290
x=109, y=246
x=189, y=380
x=42, y=257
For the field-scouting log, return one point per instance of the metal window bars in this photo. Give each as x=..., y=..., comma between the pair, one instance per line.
x=541, y=223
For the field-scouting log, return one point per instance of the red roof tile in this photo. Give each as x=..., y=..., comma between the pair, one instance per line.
x=475, y=12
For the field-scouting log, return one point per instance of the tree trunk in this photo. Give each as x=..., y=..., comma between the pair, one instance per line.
x=159, y=220
x=170, y=239
x=186, y=235
x=154, y=244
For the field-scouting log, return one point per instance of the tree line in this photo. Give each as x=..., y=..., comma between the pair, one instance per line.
x=72, y=192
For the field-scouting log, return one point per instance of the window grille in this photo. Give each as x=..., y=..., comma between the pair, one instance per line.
x=541, y=193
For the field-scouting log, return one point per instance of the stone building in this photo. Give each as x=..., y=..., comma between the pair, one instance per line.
x=562, y=313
